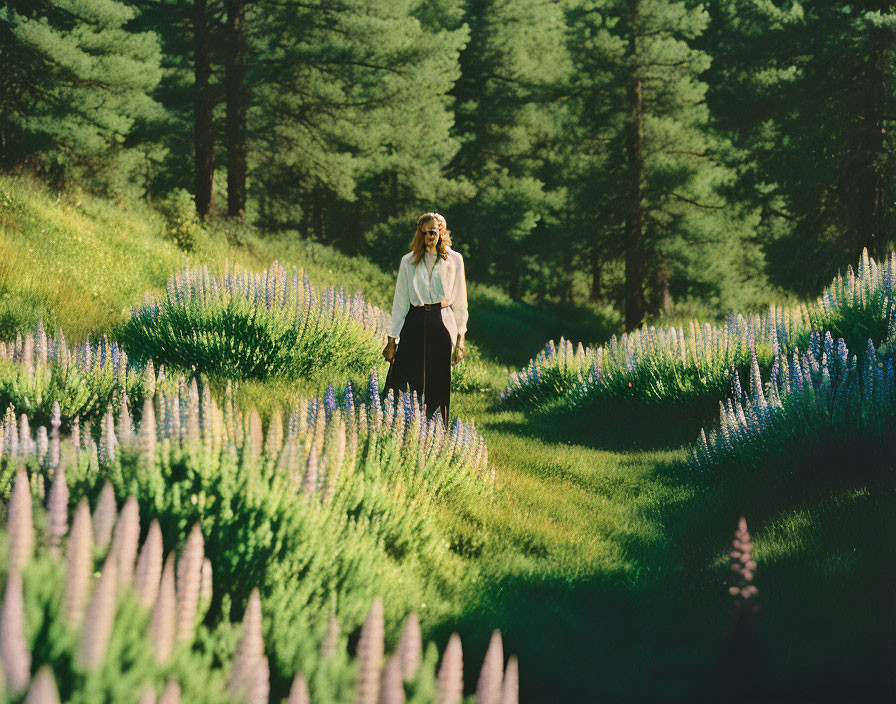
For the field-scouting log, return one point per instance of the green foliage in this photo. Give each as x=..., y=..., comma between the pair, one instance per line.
x=241, y=326
x=78, y=84
x=184, y=226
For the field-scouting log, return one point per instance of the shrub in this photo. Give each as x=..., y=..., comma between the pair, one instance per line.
x=38, y=372
x=255, y=326
x=335, y=506
x=137, y=628
x=810, y=397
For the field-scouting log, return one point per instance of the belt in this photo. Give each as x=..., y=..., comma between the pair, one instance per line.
x=431, y=306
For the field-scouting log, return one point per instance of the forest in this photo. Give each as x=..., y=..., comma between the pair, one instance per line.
x=636, y=154
x=667, y=473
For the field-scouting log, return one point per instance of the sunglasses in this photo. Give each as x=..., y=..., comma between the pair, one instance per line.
x=430, y=232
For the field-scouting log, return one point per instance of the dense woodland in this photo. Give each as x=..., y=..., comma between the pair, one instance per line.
x=637, y=153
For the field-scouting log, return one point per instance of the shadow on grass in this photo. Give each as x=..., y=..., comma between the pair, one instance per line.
x=511, y=333
x=616, y=426
x=823, y=521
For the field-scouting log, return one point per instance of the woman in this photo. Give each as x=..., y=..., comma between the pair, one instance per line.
x=429, y=316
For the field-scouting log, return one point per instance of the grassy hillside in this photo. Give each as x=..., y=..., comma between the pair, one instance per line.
x=602, y=555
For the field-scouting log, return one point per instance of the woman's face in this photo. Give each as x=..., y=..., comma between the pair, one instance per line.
x=430, y=230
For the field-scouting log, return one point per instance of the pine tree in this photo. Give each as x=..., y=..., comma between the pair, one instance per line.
x=805, y=89
x=350, y=119
x=654, y=146
x=508, y=121
x=75, y=82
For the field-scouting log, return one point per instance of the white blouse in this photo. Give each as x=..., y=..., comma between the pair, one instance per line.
x=448, y=285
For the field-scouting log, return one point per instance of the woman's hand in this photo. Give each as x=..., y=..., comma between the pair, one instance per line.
x=459, y=350
x=389, y=351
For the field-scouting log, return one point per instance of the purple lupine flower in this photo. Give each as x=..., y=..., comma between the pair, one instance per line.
x=43, y=688
x=171, y=693
x=331, y=638
x=510, y=691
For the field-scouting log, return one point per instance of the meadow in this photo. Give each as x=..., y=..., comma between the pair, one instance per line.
x=205, y=502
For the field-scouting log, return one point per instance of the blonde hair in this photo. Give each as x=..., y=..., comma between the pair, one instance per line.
x=444, y=242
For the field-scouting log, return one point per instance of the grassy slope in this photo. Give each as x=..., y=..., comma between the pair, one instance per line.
x=602, y=559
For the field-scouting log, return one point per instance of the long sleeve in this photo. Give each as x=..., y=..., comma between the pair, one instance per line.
x=401, y=302
x=460, y=298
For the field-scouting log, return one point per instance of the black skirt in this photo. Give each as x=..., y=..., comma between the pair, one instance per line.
x=423, y=360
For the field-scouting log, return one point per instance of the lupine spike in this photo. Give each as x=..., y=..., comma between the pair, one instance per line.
x=331, y=638
x=149, y=566
x=391, y=689
x=205, y=585
x=249, y=651
x=57, y=511
x=98, y=619
x=126, y=539
x=20, y=522
x=104, y=516
x=163, y=624
x=370, y=655
x=450, y=685
x=298, y=692
x=488, y=689
x=189, y=582
x=148, y=696
x=14, y=653
x=510, y=692
x=78, y=567
x=171, y=693
x=410, y=647
x=43, y=688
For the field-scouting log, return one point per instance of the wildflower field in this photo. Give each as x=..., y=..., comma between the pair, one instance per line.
x=207, y=497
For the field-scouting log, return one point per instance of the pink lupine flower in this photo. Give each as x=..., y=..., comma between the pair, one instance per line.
x=171, y=693
x=149, y=566
x=78, y=567
x=331, y=638
x=450, y=685
x=20, y=522
x=104, y=516
x=298, y=692
x=148, y=696
x=510, y=692
x=126, y=539
x=260, y=685
x=249, y=650
x=391, y=688
x=205, y=586
x=189, y=582
x=163, y=624
x=370, y=655
x=488, y=689
x=99, y=618
x=57, y=511
x=410, y=647
x=43, y=688
x=146, y=435
x=14, y=654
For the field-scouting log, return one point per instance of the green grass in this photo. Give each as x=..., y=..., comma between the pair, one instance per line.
x=602, y=557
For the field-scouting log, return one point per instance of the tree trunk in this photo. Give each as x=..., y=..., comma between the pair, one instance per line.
x=235, y=88
x=203, y=132
x=866, y=232
x=597, y=270
x=634, y=210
